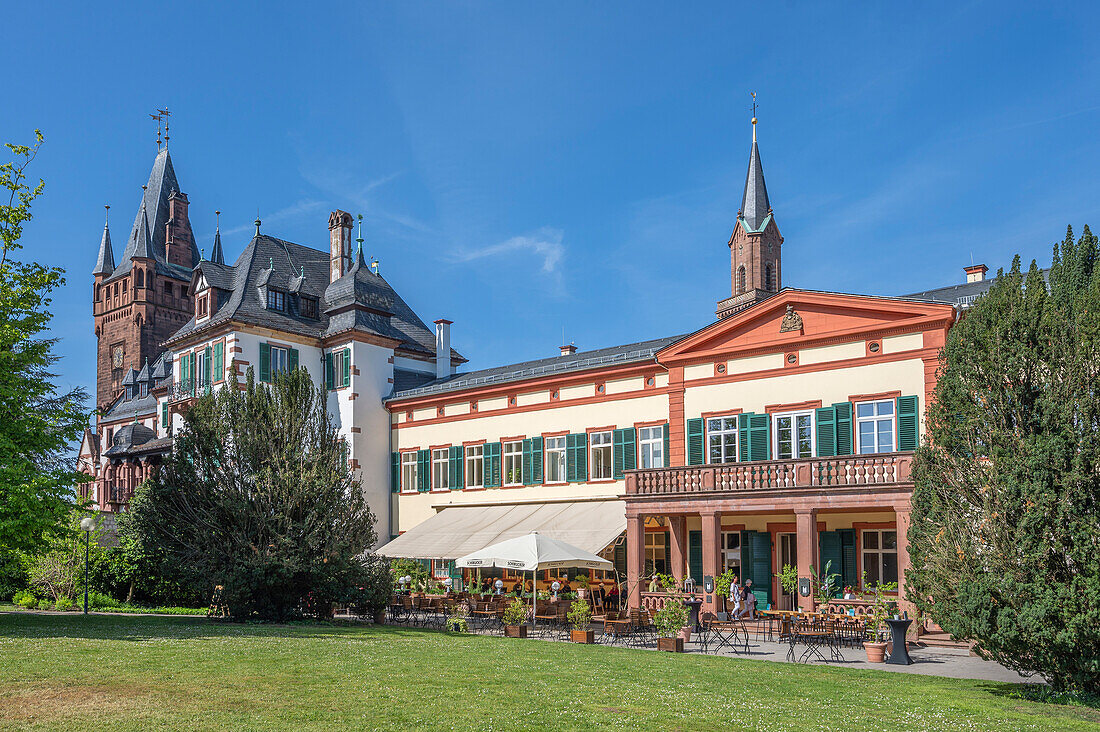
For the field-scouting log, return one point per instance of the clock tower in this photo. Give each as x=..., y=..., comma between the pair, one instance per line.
x=144, y=299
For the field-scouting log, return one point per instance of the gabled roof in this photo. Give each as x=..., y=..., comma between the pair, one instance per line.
x=825, y=317
x=130, y=378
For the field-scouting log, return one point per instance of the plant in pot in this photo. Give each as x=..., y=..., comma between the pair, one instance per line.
x=580, y=617
x=723, y=582
x=515, y=619
x=881, y=609
x=826, y=585
x=670, y=621
x=457, y=621
x=582, y=585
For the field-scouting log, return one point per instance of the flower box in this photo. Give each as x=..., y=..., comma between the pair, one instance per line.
x=515, y=631
x=672, y=645
x=583, y=636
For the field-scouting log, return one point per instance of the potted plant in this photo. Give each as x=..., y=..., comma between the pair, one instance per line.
x=582, y=585
x=580, y=617
x=722, y=584
x=880, y=610
x=788, y=580
x=670, y=620
x=515, y=619
x=824, y=587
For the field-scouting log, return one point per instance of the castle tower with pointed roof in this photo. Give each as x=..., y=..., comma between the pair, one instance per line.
x=143, y=299
x=755, y=245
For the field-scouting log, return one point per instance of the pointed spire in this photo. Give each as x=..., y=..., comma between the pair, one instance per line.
x=142, y=246
x=216, y=255
x=105, y=264
x=754, y=202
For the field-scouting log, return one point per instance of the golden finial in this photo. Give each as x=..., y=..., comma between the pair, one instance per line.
x=753, y=95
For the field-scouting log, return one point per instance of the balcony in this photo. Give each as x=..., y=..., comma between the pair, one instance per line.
x=887, y=470
x=186, y=389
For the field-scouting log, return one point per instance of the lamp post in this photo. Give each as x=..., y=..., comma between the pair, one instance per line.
x=86, y=525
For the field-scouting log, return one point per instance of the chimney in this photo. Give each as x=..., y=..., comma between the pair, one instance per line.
x=975, y=272
x=568, y=350
x=443, y=348
x=177, y=235
x=339, y=237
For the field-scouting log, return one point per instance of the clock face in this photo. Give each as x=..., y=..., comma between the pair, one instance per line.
x=116, y=357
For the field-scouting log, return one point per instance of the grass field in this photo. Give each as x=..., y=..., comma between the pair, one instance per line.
x=137, y=673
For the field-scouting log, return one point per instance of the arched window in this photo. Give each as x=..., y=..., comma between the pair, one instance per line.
x=769, y=277
x=740, y=279
x=140, y=278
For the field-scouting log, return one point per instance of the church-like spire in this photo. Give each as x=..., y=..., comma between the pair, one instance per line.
x=142, y=245
x=105, y=264
x=216, y=255
x=754, y=203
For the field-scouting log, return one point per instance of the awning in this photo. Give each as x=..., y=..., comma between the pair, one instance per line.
x=459, y=530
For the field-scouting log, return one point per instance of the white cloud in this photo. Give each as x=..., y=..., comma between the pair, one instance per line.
x=296, y=209
x=544, y=243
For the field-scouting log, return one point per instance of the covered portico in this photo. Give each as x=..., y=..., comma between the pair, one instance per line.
x=792, y=496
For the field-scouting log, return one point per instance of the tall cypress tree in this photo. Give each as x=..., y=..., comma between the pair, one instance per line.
x=1005, y=539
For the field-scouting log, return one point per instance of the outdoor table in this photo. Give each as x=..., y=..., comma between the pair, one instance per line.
x=900, y=654
x=693, y=606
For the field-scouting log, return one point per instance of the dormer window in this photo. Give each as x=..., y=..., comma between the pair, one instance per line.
x=308, y=307
x=129, y=392
x=276, y=300
x=203, y=307
x=144, y=389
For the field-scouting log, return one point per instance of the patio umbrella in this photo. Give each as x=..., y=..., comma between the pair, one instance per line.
x=531, y=553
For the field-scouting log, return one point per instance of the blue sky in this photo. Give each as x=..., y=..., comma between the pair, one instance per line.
x=525, y=168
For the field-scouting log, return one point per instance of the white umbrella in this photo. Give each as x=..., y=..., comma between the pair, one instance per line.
x=531, y=553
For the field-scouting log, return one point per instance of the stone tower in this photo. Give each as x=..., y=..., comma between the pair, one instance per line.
x=141, y=301
x=755, y=246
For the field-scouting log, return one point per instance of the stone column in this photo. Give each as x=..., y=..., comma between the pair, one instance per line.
x=902, y=515
x=677, y=535
x=806, y=537
x=712, y=536
x=635, y=558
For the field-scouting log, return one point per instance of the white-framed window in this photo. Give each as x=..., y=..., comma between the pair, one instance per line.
x=280, y=361
x=338, y=367
x=793, y=435
x=599, y=461
x=440, y=477
x=475, y=466
x=440, y=569
x=722, y=439
x=731, y=553
x=554, y=461
x=875, y=426
x=655, y=552
x=651, y=446
x=880, y=555
x=512, y=453
x=200, y=368
x=408, y=469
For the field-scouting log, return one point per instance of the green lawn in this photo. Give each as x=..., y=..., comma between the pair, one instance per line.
x=136, y=673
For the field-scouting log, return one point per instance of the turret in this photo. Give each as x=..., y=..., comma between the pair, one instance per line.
x=339, y=231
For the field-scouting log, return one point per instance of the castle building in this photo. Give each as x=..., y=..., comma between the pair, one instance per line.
x=779, y=433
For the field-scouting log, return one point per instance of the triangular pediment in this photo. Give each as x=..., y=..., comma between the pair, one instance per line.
x=823, y=317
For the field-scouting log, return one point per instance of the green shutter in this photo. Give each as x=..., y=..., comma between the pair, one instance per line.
x=761, y=567
x=695, y=556
x=330, y=382
x=907, y=423
x=532, y=461
x=576, y=458
x=849, y=575
x=395, y=472
x=164, y=415
x=754, y=436
x=454, y=467
x=843, y=428
x=829, y=545
x=695, y=442
x=292, y=360
x=826, y=431
x=423, y=471
x=208, y=366
x=492, y=465
x=624, y=451
x=219, y=361
x=265, y=362
x=746, y=557
x=347, y=367
x=666, y=461
x=185, y=372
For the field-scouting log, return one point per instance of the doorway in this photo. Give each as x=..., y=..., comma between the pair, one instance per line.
x=788, y=554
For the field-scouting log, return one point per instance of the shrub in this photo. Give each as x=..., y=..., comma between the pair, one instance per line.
x=671, y=618
x=64, y=603
x=43, y=604
x=25, y=599
x=515, y=613
x=580, y=615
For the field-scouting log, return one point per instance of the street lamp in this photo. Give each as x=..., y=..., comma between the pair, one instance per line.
x=86, y=525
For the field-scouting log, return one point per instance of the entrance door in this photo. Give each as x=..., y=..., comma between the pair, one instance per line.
x=788, y=554
x=731, y=553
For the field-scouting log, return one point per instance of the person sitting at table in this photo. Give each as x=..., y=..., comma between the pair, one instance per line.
x=517, y=587
x=749, y=600
x=565, y=586
x=613, y=597
x=654, y=585
x=486, y=584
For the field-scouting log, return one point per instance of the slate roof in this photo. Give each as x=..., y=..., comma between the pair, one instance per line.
x=963, y=294
x=580, y=361
x=754, y=202
x=359, y=301
x=152, y=217
x=128, y=437
x=105, y=262
x=123, y=408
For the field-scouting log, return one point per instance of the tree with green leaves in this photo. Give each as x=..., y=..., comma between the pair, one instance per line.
x=1005, y=535
x=38, y=422
x=257, y=497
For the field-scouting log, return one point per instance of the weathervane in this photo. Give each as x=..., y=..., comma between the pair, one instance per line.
x=165, y=114
x=159, y=120
x=753, y=95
